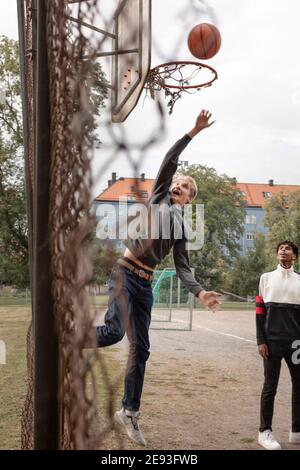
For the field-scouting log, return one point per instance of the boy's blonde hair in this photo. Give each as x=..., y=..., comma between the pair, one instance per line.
x=192, y=184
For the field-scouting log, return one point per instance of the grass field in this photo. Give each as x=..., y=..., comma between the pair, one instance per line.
x=14, y=323
x=101, y=301
x=15, y=314
x=11, y=300
x=204, y=383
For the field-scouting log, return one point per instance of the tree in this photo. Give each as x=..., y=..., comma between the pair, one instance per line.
x=243, y=278
x=283, y=220
x=224, y=215
x=14, y=267
x=105, y=256
x=13, y=223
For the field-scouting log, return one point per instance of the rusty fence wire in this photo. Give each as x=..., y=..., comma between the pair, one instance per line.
x=76, y=101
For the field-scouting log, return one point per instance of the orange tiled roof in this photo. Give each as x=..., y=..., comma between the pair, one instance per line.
x=140, y=190
x=254, y=192
x=127, y=187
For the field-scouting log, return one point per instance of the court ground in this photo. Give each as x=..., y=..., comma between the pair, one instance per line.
x=202, y=387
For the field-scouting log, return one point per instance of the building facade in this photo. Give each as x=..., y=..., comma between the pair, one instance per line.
x=122, y=192
x=256, y=196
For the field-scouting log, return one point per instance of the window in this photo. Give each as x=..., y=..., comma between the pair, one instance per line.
x=226, y=251
x=266, y=194
x=138, y=192
x=251, y=219
x=285, y=199
x=250, y=235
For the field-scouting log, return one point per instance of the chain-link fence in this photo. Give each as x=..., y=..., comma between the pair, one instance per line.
x=74, y=80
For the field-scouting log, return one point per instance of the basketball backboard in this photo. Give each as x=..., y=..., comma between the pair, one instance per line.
x=132, y=58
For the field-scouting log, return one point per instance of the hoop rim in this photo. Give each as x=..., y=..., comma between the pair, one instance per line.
x=156, y=71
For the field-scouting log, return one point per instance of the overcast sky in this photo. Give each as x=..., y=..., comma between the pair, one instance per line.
x=255, y=101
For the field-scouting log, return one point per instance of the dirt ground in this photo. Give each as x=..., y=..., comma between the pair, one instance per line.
x=202, y=387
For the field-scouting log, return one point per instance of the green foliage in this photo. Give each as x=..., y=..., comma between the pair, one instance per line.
x=104, y=257
x=97, y=97
x=283, y=222
x=14, y=267
x=224, y=214
x=10, y=109
x=13, y=223
x=243, y=278
x=167, y=262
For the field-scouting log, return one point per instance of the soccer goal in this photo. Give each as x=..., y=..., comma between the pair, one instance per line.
x=173, y=304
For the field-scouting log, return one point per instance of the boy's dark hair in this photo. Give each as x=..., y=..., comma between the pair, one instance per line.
x=289, y=243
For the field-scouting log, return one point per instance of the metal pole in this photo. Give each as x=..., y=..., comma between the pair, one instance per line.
x=90, y=26
x=191, y=311
x=46, y=406
x=178, y=291
x=25, y=113
x=191, y=303
x=111, y=53
x=171, y=298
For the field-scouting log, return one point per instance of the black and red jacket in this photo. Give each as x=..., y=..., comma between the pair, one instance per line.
x=278, y=306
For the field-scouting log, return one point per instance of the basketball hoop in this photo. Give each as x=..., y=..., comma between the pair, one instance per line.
x=179, y=77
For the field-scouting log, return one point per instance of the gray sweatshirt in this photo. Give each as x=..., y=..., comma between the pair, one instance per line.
x=151, y=251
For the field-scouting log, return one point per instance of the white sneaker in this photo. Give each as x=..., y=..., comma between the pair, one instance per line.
x=129, y=420
x=294, y=437
x=267, y=440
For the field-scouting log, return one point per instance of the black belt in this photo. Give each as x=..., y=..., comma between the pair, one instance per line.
x=138, y=271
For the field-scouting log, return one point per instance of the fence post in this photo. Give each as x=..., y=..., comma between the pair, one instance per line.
x=178, y=291
x=46, y=400
x=171, y=298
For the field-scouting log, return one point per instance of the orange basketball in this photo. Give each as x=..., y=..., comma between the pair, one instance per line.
x=204, y=41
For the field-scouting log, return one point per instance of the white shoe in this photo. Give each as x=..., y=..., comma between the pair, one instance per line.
x=267, y=440
x=294, y=437
x=129, y=420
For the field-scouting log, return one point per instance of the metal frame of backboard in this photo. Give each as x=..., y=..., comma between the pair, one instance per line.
x=131, y=54
x=132, y=62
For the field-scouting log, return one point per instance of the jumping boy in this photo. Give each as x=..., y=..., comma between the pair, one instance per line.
x=130, y=291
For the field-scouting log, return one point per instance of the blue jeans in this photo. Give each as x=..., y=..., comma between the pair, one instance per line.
x=129, y=310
